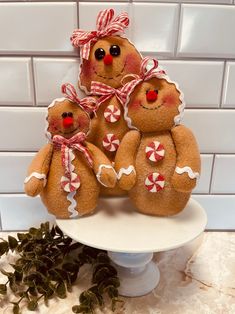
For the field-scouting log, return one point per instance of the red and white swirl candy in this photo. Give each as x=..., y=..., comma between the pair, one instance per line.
x=154, y=182
x=155, y=151
x=111, y=142
x=112, y=114
x=70, y=185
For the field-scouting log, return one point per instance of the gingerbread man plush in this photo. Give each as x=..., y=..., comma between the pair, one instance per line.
x=106, y=58
x=159, y=161
x=65, y=171
x=106, y=55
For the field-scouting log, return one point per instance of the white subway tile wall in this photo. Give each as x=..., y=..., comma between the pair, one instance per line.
x=194, y=42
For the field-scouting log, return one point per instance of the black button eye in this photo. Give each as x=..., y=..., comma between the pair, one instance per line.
x=99, y=53
x=115, y=50
x=70, y=114
x=147, y=91
x=64, y=115
x=156, y=91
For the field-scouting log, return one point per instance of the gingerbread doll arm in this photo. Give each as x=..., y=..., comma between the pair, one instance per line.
x=125, y=160
x=188, y=164
x=37, y=171
x=102, y=167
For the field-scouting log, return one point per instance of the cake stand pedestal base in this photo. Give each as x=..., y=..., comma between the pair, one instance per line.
x=131, y=238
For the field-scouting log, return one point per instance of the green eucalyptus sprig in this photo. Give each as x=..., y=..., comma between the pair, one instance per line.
x=47, y=266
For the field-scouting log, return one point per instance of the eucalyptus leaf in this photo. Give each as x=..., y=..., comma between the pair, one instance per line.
x=3, y=289
x=61, y=290
x=32, y=305
x=4, y=247
x=13, y=243
x=16, y=309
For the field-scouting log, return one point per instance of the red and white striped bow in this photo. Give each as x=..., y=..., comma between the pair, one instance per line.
x=89, y=104
x=70, y=182
x=148, y=69
x=105, y=25
x=106, y=92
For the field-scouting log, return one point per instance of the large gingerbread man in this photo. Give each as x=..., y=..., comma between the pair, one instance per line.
x=106, y=58
x=159, y=161
x=65, y=171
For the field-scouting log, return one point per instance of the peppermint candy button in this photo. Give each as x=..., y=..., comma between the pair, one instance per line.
x=154, y=182
x=111, y=142
x=70, y=185
x=112, y=114
x=155, y=151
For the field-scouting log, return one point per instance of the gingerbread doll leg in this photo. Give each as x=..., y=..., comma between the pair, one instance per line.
x=125, y=160
x=188, y=162
x=37, y=171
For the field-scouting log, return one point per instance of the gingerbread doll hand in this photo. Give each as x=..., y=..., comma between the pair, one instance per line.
x=125, y=160
x=127, y=178
x=103, y=168
x=33, y=185
x=188, y=160
x=37, y=172
x=107, y=176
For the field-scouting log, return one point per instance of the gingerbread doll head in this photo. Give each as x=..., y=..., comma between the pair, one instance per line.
x=106, y=56
x=70, y=115
x=154, y=102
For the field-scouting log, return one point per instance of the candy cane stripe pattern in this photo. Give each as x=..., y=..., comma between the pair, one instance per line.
x=112, y=114
x=111, y=142
x=70, y=185
x=154, y=182
x=155, y=151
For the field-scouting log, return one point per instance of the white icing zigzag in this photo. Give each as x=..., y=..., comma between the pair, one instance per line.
x=125, y=171
x=191, y=174
x=98, y=175
x=71, y=207
x=40, y=176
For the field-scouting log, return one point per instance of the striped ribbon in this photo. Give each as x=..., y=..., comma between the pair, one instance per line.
x=105, y=25
x=106, y=92
x=89, y=104
x=148, y=69
x=66, y=146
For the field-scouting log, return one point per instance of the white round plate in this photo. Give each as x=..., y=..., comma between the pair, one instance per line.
x=117, y=227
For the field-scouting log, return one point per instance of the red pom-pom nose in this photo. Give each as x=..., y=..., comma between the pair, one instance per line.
x=67, y=122
x=108, y=60
x=151, y=95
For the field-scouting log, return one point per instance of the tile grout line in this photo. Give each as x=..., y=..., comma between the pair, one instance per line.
x=177, y=31
x=212, y=172
x=33, y=82
x=223, y=84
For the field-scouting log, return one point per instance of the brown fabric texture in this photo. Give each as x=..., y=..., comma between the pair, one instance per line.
x=49, y=161
x=95, y=70
x=155, y=122
x=100, y=128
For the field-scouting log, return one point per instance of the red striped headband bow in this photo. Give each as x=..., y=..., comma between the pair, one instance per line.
x=89, y=104
x=107, y=92
x=105, y=25
x=148, y=69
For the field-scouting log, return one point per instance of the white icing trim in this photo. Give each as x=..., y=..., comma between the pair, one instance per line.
x=40, y=176
x=127, y=171
x=177, y=118
x=98, y=175
x=71, y=208
x=189, y=171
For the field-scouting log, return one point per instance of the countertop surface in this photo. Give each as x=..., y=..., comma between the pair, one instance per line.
x=198, y=278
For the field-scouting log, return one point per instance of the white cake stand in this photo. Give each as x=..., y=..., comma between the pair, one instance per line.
x=131, y=238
